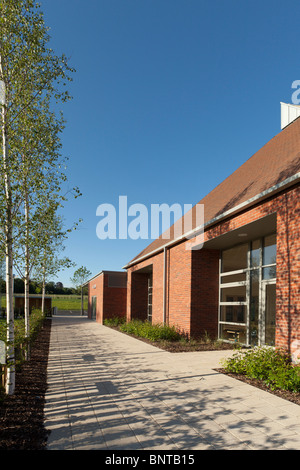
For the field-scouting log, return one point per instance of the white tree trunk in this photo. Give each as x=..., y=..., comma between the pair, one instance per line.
x=26, y=308
x=10, y=382
x=27, y=275
x=43, y=292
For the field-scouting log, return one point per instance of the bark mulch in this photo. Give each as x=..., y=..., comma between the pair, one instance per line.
x=22, y=414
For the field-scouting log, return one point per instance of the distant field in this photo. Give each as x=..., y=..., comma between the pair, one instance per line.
x=69, y=302
x=62, y=302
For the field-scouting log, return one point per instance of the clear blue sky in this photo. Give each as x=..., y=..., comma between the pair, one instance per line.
x=169, y=98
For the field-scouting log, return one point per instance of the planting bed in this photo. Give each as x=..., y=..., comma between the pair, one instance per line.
x=22, y=414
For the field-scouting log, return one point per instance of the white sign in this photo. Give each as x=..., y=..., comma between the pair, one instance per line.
x=2, y=352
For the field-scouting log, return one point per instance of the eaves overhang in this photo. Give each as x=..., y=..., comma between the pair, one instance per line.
x=273, y=190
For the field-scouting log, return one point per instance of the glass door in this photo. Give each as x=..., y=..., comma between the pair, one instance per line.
x=94, y=305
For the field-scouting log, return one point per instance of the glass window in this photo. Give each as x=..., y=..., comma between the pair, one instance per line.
x=233, y=313
x=269, y=252
x=255, y=254
x=233, y=294
x=269, y=273
x=233, y=333
x=247, y=311
x=235, y=258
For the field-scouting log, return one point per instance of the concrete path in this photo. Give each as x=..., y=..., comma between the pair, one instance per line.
x=109, y=391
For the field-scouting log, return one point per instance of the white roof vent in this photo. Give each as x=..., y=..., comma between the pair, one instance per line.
x=289, y=112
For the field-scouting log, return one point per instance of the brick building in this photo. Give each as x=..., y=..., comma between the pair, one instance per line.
x=244, y=282
x=107, y=295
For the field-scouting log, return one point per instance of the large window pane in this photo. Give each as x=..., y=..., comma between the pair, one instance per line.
x=233, y=294
x=269, y=252
x=255, y=254
x=269, y=273
x=233, y=313
x=233, y=333
x=235, y=258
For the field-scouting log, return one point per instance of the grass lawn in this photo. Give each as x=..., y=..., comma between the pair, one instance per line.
x=69, y=302
x=62, y=302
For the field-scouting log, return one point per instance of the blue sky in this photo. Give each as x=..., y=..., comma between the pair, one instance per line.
x=169, y=98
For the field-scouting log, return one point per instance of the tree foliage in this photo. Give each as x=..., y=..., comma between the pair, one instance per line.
x=32, y=172
x=80, y=276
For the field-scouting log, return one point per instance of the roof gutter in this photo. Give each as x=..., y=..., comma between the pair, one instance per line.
x=244, y=205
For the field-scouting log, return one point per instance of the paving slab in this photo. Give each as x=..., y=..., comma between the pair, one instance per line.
x=109, y=391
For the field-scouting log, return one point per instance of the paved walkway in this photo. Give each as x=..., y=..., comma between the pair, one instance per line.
x=112, y=392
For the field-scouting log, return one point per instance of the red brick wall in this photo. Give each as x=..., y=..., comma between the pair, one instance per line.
x=114, y=300
x=111, y=301
x=179, y=287
x=205, y=293
x=288, y=269
x=96, y=289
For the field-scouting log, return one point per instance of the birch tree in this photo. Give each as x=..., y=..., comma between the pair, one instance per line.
x=50, y=260
x=30, y=75
x=80, y=276
x=40, y=190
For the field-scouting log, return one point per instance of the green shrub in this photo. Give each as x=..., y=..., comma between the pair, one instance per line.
x=272, y=366
x=3, y=330
x=115, y=321
x=20, y=341
x=155, y=332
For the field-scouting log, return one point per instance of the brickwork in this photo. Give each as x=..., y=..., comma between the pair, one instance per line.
x=140, y=300
x=111, y=301
x=205, y=293
x=179, y=287
x=95, y=289
x=288, y=269
x=114, y=300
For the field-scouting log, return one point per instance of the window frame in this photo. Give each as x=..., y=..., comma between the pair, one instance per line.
x=246, y=324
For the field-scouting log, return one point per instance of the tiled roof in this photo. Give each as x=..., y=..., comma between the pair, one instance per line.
x=275, y=162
